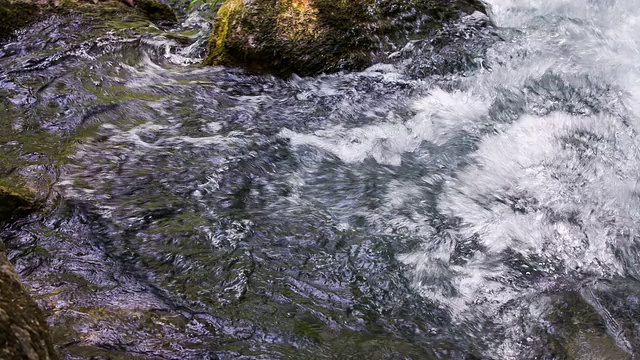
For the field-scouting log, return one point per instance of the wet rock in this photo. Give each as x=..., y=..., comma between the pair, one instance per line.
x=15, y=16
x=24, y=334
x=577, y=331
x=156, y=11
x=21, y=13
x=314, y=36
x=15, y=201
x=454, y=48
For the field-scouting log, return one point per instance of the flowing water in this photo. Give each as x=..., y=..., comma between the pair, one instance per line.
x=474, y=199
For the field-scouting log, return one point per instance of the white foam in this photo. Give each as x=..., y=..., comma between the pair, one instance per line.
x=559, y=188
x=439, y=117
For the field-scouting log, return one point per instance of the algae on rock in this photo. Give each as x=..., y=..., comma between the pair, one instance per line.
x=156, y=11
x=309, y=37
x=578, y=331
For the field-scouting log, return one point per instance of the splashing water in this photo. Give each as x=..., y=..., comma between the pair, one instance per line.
x=553, y=182
x=396, y=211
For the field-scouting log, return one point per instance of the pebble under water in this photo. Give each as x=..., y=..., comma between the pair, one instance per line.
x=476, y=198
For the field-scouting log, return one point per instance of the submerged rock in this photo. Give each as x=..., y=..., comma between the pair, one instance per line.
x=17, y=14
x=577, y=331
x=308, y=37
x=24, y=334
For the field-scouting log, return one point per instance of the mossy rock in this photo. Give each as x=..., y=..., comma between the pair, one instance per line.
x=151, y=10
x=24, y=333
x=15, y=201
x=16, y=15
x=308, y=37
x=579, y=333
x=156, y=11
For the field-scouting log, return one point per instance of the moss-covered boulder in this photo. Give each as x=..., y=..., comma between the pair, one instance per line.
x=24, y=333
x=308, y=37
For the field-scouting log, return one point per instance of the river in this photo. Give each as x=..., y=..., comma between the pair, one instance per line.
x=476, y=202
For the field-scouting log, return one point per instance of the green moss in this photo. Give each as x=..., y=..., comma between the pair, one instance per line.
x=292, y=36
x=221, y=29
x=308, y=37
x=16, y=15
x=77, y=280
x=308, y=327
x=118, y=24
x=579, y=332
x=82, y=183
x=186, y=33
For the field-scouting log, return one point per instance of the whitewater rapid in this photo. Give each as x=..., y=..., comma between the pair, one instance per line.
x=548, y=195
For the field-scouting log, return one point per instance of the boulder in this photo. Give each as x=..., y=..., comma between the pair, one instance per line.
x=15, y=201
x=24, y=333
x=155, y=11
x=308, y=37
x=576, y=331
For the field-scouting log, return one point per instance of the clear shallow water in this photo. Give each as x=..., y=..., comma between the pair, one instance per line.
x=401, y=211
